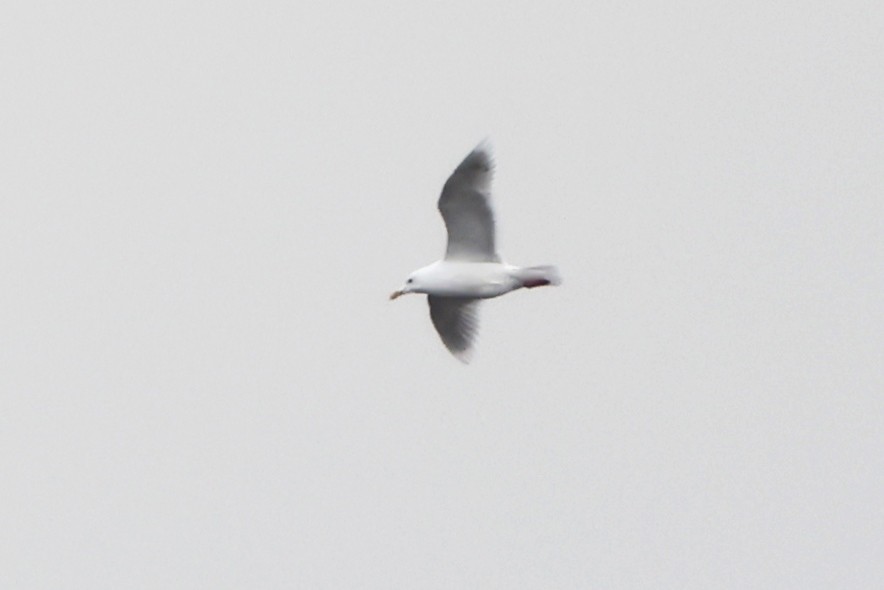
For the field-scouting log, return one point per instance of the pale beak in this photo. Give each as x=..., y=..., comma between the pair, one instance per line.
x=396, y=294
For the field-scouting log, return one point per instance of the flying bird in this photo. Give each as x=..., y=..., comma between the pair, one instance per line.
x=472, y=269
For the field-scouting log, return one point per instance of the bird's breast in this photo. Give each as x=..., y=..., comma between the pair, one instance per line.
x=470, y=279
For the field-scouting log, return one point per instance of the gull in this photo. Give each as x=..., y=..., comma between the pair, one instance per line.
x=472, y=269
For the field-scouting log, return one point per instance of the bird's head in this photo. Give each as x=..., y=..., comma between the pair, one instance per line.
x=410, y=286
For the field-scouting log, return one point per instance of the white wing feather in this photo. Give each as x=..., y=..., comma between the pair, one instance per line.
x=457, y=321
x=466, y=208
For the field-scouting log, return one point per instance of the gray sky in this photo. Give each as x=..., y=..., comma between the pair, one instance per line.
x=205, y=206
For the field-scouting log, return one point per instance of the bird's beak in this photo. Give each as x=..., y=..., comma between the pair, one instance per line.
x=396, y=294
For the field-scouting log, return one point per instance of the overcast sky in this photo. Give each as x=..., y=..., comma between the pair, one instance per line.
x=206, y=204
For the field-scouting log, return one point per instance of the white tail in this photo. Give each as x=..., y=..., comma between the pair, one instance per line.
x=539, y=276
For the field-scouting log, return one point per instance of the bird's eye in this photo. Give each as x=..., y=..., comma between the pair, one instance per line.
x=409, y=281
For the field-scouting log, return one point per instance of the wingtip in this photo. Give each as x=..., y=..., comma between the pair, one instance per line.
x=480, y=161
x=464, y=356
x=485, y=145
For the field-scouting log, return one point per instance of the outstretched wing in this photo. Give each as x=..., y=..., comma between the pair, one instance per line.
x=457, y=321
x=466, y=208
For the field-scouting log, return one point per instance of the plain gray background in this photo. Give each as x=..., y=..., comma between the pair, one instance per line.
x=206, y=204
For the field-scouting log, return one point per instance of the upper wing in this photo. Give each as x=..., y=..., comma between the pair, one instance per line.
x=466, y=208
x=457, y=321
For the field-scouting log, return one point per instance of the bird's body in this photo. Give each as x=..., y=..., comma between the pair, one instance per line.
x=472, y=269
x=452, y=278
x=480, y=280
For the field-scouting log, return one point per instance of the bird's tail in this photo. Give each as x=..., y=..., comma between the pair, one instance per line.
x=539, y=276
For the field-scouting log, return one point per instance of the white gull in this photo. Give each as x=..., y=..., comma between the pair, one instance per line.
x=471, y=270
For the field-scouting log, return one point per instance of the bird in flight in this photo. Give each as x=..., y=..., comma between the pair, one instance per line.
x=471, y=270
